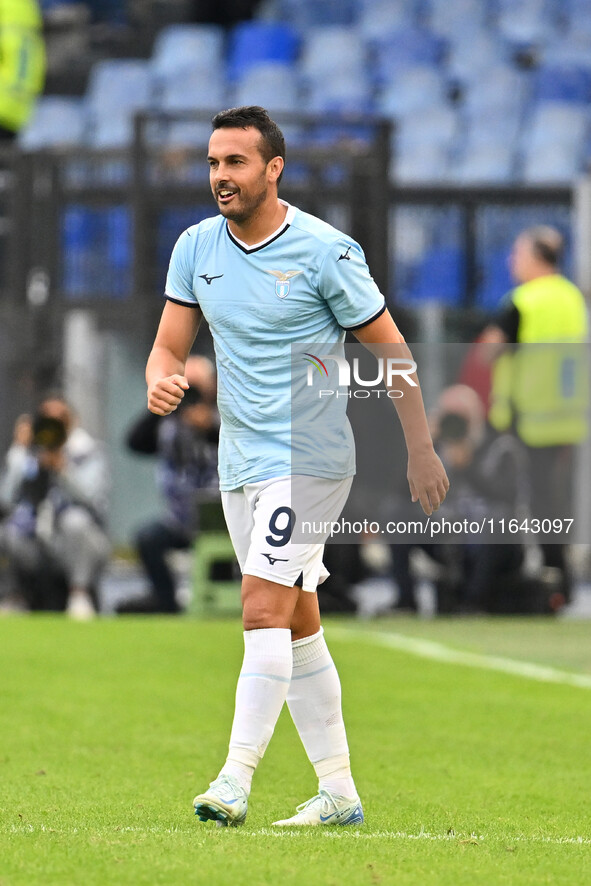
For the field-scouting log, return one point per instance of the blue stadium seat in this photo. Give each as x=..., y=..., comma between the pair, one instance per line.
x=496, y=280
x=578, y=16
x=421, y=164
x=191, y=92
x=411, y=91
x=439, y=127
x=384, y=16
x=487, y=164
x=491, y=127
x=304, y=14
x=450, y=17
x=472, y=54
x=117, y=89
x=500, y=89
x=331, y=52
x=556, y=123
x=526, y=23
x=440, y=276
x=180, y=49
x=344, y=95
x=564, y=83
x=58, y=121
x=272, y=85
x=406, y=48
x=571, y=50
x=552, y=164
x=254, y=42
x=96, y=249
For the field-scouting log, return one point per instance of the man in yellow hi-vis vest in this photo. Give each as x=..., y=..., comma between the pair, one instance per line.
x=22, y=63
x=541, y=388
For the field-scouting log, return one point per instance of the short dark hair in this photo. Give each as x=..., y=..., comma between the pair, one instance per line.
x=272, y=143
x=547, y=244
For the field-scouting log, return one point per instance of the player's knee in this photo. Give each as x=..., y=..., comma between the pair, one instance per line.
x=266, y=604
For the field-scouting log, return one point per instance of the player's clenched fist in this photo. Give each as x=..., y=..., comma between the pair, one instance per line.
x=165, y=394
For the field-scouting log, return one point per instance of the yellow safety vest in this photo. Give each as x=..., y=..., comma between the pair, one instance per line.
x=22, y=61
x=542, y=386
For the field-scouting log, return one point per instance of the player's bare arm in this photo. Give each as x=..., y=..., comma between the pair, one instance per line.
x=426, y=475
x=166, y=364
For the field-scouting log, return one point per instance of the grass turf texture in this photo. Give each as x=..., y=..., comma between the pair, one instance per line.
x=467, y=776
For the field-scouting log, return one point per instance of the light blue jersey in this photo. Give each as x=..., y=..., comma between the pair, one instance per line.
x=307, y=282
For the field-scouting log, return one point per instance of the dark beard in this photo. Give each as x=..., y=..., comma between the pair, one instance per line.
x=239, y=216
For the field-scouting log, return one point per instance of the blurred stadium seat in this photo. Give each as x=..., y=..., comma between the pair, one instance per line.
x=495, y=279
x=501, y=89
x=472, y=53
x=411, y=91
x=420, y=164
x=303, y=14
x=440, y=276
x=117, y=89
x=556, y=123
x=406, y=47
x=564, y=83
x=329, y=52
x=348, y=94
x=187, y=49
x=485, y=164
x=552, y=164
x=449, y=17
x=380, y=16
x=526, y=23
x=273, y=85
x=254, y=42
x=58, y=121
x=194, y=91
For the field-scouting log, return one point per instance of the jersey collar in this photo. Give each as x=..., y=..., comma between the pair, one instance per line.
x=291, y=211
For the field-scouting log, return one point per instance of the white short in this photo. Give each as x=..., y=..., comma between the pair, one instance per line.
x=261, y=522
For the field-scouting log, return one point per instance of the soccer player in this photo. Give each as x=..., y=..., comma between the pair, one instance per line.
x=265, y=275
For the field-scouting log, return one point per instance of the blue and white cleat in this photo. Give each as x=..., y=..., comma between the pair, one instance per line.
x=325, y=808
x=226, y=802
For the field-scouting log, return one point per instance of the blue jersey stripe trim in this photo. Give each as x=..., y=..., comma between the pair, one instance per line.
x=313, y=673
x=179, y=301
x=268, y=677
x=366, y=322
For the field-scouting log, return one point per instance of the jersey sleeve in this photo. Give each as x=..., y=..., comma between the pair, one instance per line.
x=179, y=279
x=348, y=287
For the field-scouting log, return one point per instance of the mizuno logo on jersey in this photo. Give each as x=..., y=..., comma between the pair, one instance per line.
x=273, y=560
x=209, y=279
x=345, y=255
x=283, y=281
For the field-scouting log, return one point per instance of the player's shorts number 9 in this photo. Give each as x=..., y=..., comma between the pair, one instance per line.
x=280, y=534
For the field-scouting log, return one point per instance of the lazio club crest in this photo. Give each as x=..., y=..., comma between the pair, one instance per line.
x=283, y=281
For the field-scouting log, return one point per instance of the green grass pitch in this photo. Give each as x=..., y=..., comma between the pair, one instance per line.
x=467, y=775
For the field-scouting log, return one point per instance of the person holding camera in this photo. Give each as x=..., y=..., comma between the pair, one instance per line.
x=54, y=534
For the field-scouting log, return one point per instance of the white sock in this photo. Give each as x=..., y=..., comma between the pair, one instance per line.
x=262, y=687
x=314, y=700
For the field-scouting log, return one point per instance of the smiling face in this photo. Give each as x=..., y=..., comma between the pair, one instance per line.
x=241, y=180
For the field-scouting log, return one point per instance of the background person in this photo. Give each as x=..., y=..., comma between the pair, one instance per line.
x=22, y=63
x=488, y=480
x=56, y=546
x=57, y=503
x=186, y=445
x=538, y=391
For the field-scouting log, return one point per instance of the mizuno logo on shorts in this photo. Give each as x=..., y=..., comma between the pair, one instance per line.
x=273, y=560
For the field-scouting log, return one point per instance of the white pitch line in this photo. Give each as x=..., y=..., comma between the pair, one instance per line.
x=439, y=652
